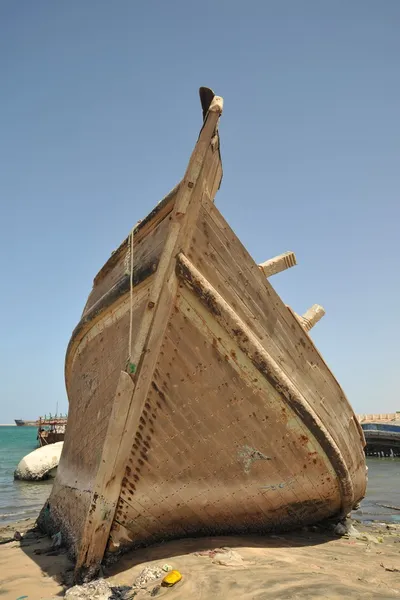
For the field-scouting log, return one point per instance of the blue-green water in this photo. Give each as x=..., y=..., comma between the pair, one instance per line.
x=383, y=488
x=20, y=499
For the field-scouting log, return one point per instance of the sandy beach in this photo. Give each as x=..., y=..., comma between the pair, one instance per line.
x=307, y=564
x=24, y=571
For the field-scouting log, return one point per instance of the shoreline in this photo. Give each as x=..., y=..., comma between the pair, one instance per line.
x=312, y=562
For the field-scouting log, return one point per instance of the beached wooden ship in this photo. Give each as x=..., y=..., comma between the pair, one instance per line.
x=198, y=404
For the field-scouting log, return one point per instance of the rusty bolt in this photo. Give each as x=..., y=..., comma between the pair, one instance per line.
x=151, y=305
x=190, y=184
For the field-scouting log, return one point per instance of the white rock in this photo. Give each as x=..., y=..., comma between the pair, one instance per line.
x=95, y=590
x=352, y=531
x=228, y=559
x=346, y=529
x=39, y=464
x=148, y=574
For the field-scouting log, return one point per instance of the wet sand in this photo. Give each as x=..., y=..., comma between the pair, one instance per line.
x=300, y=565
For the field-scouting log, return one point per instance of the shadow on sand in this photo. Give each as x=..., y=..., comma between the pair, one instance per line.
x=53, y=562
x=38, y=547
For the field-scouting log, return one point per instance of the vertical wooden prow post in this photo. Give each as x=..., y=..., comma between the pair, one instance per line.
x=145, y=346
x=278, y=264
x=106, y=488
x=311, y=317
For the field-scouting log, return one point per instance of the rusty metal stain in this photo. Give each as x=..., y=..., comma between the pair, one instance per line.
x=248, y=455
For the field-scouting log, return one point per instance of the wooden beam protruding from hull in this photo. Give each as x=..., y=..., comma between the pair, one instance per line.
x=311, y=317
x=278, y=264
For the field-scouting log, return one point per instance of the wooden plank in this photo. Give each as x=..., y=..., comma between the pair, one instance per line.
x=107, y=488
x=143, y=229
x=92, y=373
x=146, y=251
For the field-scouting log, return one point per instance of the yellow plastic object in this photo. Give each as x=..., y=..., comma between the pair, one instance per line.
x=172, y=578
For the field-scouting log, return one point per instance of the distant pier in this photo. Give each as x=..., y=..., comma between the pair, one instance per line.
x=382, y=434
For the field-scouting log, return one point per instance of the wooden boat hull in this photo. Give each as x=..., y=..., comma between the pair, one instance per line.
x=198, y=402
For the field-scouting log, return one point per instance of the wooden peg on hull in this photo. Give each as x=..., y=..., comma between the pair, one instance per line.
x=311, y=317
x=278, y=264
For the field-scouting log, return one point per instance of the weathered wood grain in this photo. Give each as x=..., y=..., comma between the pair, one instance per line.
x=105, y=489
x=93, y=368
x=142, y=230
x=147, y=251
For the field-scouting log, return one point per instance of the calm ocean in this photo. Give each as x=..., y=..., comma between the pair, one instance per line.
x=20, y=499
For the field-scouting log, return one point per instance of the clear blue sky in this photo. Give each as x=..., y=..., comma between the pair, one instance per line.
x=99, y=112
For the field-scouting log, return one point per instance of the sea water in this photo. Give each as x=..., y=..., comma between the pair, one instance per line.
x=19, y=499
x=22, y=499
x=383, y=491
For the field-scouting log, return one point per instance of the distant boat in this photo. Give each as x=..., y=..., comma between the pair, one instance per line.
x=51, y=430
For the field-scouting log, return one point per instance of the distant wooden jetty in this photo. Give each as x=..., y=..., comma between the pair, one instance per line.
x=379, y=417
